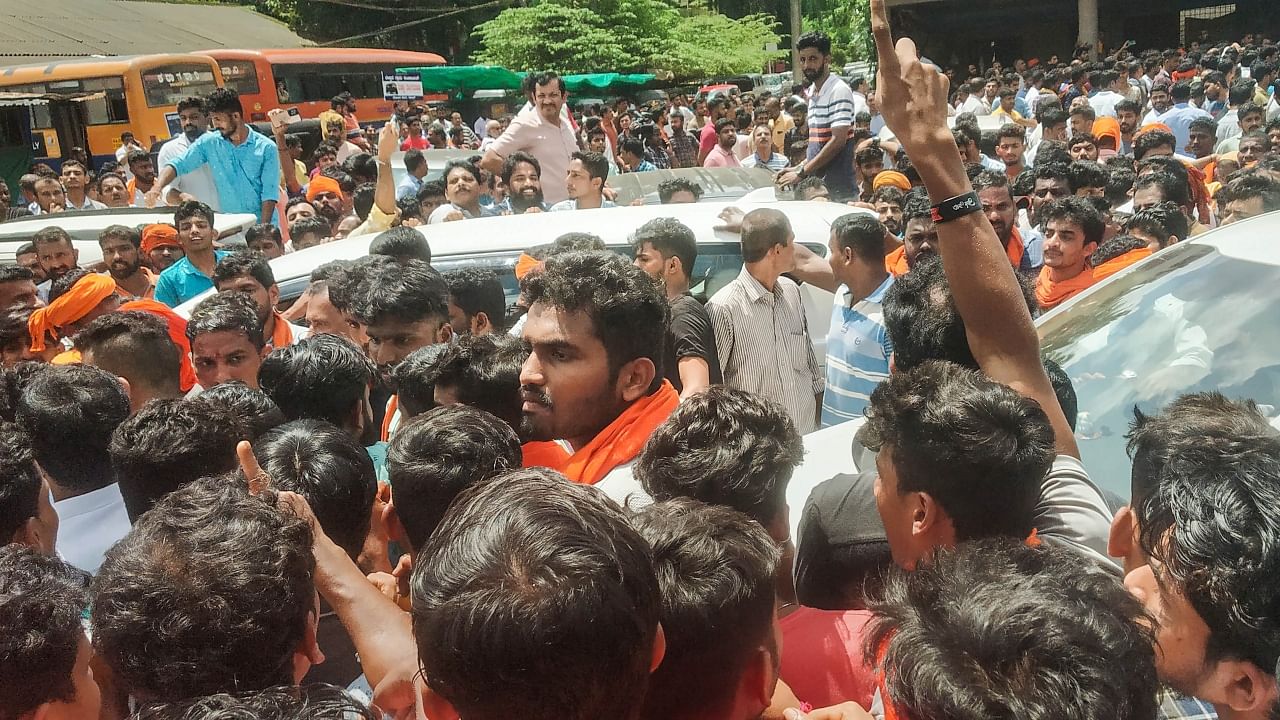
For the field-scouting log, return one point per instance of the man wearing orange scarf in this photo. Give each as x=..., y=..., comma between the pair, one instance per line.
x=76, y=299
x=1073, y=228
x=160, y=246
x=250, y=273
x=594, y=380
x=919, y=235
x=997, y=203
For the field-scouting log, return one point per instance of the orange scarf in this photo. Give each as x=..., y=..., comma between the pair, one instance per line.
x=149, y=292
x=177, y=332
x=77, y=302
x=1051, y=294
x=622, y=439
x=1015, y=249
x=1120, y=262
x=543, y=454
x=526, y=264
x=896, y=262
x=393, y=406
x=281, y=334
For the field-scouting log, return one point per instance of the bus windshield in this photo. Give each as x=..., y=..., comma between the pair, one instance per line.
x=166, y=85
x=240, y=75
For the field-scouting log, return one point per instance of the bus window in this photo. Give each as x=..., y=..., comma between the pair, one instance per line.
x=167, y=85
x=311, y=83
x=240, y=75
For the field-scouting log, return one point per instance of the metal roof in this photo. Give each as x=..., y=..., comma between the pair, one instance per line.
x=34, y=30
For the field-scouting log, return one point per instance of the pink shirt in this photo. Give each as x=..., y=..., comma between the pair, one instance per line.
x=550, y=144
x=719, y=157
x=822, y=656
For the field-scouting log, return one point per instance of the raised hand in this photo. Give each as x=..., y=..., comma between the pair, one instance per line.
x=912, y=95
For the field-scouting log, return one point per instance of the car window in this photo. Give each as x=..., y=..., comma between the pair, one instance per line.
x=1189, y=320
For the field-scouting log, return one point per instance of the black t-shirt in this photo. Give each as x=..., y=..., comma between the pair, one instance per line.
x=691, y=335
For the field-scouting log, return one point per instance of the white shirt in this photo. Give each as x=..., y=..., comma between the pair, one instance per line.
x=198, y=183
x=89, y=524
x=1104, y=103
x=974, y=105
x=860, y=103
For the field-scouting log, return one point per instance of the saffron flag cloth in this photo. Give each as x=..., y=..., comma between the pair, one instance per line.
x=621, y=440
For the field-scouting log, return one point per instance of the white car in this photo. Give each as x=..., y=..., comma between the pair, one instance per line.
x=497, y=242
x=1198, y=316
x=84, y=226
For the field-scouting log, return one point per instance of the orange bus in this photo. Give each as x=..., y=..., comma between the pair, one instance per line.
x=308, y=78
x=133, y=93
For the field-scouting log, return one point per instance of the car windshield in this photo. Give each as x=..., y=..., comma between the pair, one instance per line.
x=1191, y=319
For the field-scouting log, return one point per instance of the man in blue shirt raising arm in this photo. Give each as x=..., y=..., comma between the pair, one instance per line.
x=245, y=164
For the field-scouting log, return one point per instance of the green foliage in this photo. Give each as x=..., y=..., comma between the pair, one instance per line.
x=848, y=23
x=624, y=36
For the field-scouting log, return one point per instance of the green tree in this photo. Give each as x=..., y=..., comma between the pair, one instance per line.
x=554, y=37
x=847, y=22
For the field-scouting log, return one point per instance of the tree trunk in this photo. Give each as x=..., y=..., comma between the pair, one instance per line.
x=796, y=29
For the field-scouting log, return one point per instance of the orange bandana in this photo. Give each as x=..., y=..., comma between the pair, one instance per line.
x=1120, y=262
x=159, y=235
x=177, y=333
x=891, y=177
x=896, y=262
x=622, y=439
x=83, y=297
x=1107, y=127
x=1051, y=294
x=526, y=264
x=322, y=183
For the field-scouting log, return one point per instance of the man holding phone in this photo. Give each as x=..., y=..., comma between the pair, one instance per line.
x=197, y=184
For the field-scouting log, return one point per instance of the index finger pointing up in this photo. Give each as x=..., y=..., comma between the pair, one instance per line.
x=887, y=55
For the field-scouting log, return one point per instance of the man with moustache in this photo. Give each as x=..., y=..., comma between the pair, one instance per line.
x=1024, y=247
x=543, y=132
x=122, y=252
x=245, y=164
x=522, y=174
x=829, y=119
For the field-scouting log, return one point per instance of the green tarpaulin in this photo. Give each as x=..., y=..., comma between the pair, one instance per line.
x=468, y=78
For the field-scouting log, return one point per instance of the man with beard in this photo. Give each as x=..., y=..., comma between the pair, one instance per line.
x=1052, y=182
x=722, y=154
x=1127, y=113
x=250, y=273
x=1161, y=103
x=50, y=197
x=1025, y=249
x=522, y=174
x=403, y=307
x=143, y=181
x=829, y=119
x=122, y=252
x=594, y=378
x=160, y=246
x=57, y=255
x=887, y=200
x=27, y=257
x=542, y=132
x=919, y=234
x=74, y=181
x=325, y=196
x=245, y=164
x=197, y=184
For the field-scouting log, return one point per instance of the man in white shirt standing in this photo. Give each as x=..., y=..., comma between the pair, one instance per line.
x=70, y=413
x=973, y=103
x=197, y=184
x=860, y=86
x=544, y=133
x=1104, y=101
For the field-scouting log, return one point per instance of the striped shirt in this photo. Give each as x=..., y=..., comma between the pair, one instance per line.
x=763, y=341
x=858, y=351
x=775, y=164
x=831, y=111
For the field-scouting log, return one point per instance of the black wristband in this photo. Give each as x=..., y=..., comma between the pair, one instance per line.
x=955, y=207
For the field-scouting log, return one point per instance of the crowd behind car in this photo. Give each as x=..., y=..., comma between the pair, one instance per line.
x=401, y=496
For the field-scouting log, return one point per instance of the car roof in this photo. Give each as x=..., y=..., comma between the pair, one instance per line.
x=84, y=225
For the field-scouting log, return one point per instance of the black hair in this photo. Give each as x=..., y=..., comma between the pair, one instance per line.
x=668, y=188
x=41, y=601
x=575, y=242
x=224, y=100
x=596, y=165
x=466, y=165
x=20, y=481
x=1172, y=188
x=242, y=263
x=192, y=208
x=1119, y=186
x=1086, y=174
x=168, y=444
x=1206, y=124
x=1208, y=509
x=1077, y=210
x=817, y=40
x=48, y=236
x=484, y=373
x=492, y=580
x=1127, y=105
x=1016, y=630
x=121, y=231
x=1240, y=92
x=544, y=77
x=1082, y=139
x=135, y=345
x=415, y=376
x=977, y=447
x=762, y=229
x=632, y=145
x=227, y=312
x=724, y=446
x=330, y=469
x=192, y=103
x=62, y=285
x=322, y=377
x=302, y=226
x=1247, y=187
x=670, y=238
x=1162, y=220
x=309, y=702
x=514, y=159
x=255, y=410
x=715, y=570
x=1149, y=140
x=136, y=156
x=887, y=194
x=410, y=291
x=1011, y=131
x=362, y=200
x=477, y=290
x=431, y=189
x=69, y=412
x=413, y=159
x=861, y=233
x=263, y=231
x=436, y=455
x=628, y=311
x=228, y=616
x=1114, y=248
x=402, y=243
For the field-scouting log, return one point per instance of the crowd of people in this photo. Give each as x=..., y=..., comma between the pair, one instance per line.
x=398, y=497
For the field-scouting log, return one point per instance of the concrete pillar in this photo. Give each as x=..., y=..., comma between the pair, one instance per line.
x=1088, y=11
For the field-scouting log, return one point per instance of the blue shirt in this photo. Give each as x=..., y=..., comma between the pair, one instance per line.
x=182, y=281
x=246, y=175
x=858, y=350
x=408, y=187
x=1179, y=118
